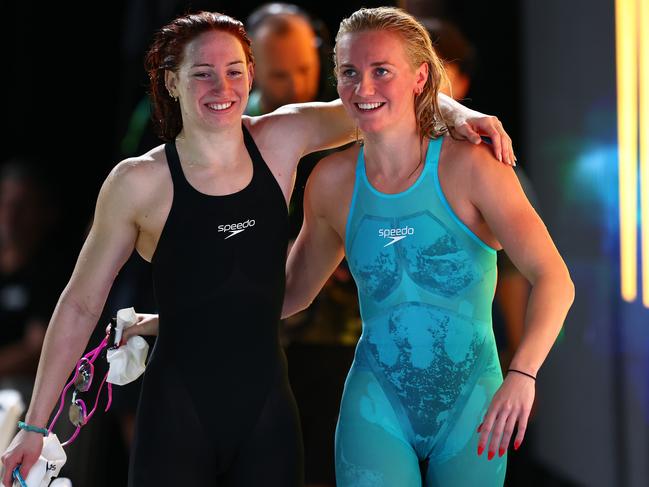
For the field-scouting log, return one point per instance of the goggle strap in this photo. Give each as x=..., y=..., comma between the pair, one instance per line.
x=110, y=397
x=95, y=352
x=91, y=357
x=62, y=403
x=72, y=438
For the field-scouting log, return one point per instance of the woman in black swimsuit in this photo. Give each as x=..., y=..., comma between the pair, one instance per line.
x=208, y=210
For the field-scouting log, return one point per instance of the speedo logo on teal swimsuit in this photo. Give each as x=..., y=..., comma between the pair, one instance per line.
x=235, y=228
x=395, y=234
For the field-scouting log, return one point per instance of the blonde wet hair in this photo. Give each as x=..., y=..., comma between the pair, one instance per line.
x=418, y=48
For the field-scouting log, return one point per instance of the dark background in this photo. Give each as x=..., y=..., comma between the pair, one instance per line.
x=74, y=75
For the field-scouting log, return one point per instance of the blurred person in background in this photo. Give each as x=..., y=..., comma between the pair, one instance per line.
x=292, y=52
x=287, y=57
x=233, y=414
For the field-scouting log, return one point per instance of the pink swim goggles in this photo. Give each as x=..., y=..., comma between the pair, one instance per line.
x=82, y=380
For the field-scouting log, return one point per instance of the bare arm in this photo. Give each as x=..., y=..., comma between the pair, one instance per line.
x=110, y=242
x=303, y=128
x=318, y=249
x=292, y=131
x=500, y=199
x=470, y=125
x=147, y=324
x=502, y=202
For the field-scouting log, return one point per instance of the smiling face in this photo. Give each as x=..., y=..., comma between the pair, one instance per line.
x=212, y=81
x=376, y=82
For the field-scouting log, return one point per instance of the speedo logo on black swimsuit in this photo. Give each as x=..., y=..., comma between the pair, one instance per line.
x=235, y=228
x=395, y=234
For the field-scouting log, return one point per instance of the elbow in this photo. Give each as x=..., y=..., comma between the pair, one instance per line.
x=570, y=288
x=565, y=286
x=293, y=306
x=294, y=301
x=82, y=306
x=558, y=282
x=287, y=309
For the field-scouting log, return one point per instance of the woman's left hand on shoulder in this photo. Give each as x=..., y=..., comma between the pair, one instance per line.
x=473, y=127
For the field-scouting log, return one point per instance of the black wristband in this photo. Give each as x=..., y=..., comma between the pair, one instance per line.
x=521, y=372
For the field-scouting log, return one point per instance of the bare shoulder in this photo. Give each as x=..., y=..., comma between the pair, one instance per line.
x=137, y=179
x=331, y=186
x=274, y=128
x=462, y=158
x=337, y=170
x=266, y=128
x=467, y=154
x=137, y=169
x=279, y=145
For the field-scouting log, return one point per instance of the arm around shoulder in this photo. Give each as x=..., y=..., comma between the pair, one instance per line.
x=302, y=128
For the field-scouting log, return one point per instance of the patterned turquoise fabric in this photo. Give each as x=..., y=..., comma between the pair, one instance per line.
x=426, y=366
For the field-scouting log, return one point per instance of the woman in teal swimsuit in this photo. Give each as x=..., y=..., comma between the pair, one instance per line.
x=420, y=216
x=201, y=70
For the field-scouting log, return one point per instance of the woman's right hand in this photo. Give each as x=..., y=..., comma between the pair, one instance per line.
x=23, y=450
x=147, y=324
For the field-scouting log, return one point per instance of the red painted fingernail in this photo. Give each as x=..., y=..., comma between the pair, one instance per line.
x=501, y=452
x=491, y=455
x=480, y=449
x=516, y=445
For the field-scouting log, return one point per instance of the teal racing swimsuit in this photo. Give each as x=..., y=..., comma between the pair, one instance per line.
x=426, y=366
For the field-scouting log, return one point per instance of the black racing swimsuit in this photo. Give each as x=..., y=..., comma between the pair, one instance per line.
x=216, y=408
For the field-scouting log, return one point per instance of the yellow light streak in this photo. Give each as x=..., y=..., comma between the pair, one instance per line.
x=626, y=51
